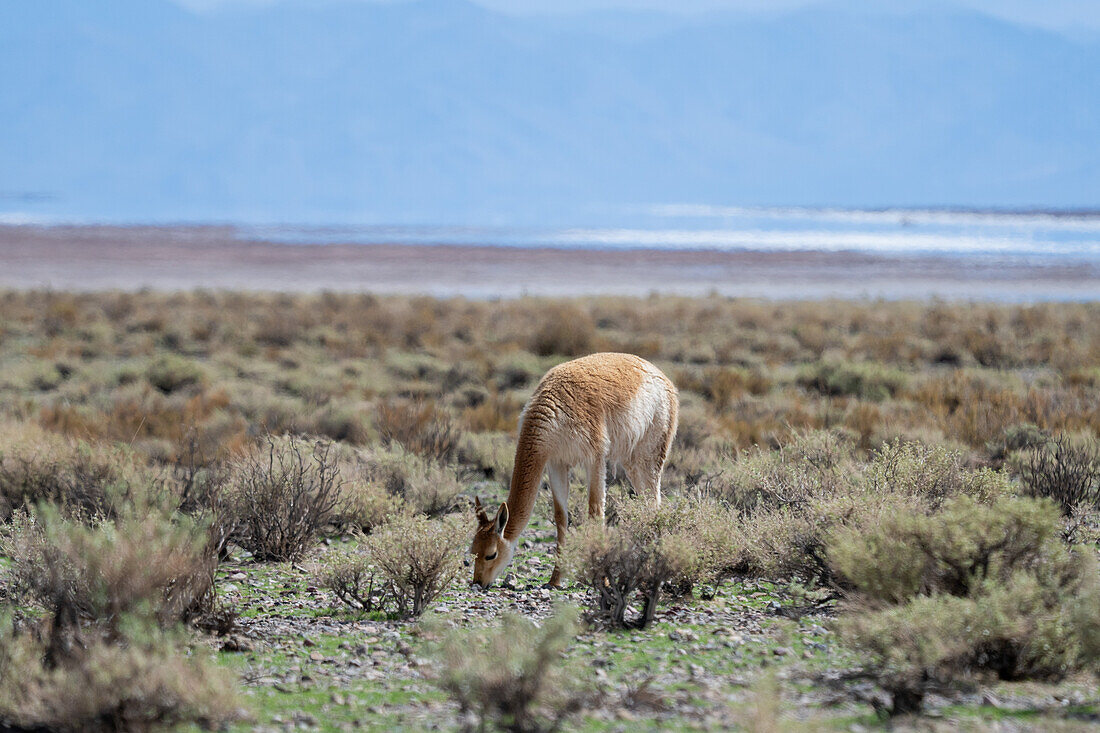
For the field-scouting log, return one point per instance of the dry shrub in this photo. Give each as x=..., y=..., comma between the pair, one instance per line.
x=144, y=562
x=142, y=685
x=866, y=381
x=171, y=372
x=513, y=677
x=200, y=472
x=496, y=413
x=722, y=386
x=491, y=454
x=1066, y=471
x=365, y=504
x=107, y=655
x=417, y=483
x=970, y=589
x=82, y=478
x=816, y=491
x=975, y=408
x=356, y=584
x=415, y=559
x=282, y=494
x=696, y=427
x=277, y=328
x=564, y=329
x=420, y=427
x=708, y=524
x=674, y=545
x=618, y=569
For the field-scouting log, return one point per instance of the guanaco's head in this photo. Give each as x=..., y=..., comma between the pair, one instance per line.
x=491, y=551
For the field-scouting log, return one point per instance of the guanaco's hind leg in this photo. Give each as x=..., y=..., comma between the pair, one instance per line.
x=559, y=490
x=645, y=482
x=597, y=488
x=645, y=471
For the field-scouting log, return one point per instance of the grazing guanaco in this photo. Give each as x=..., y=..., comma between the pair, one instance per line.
x=599, y=408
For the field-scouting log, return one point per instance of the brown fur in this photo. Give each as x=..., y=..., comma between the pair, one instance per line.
x=574, y=398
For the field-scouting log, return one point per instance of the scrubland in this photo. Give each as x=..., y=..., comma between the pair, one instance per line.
x=252, y=510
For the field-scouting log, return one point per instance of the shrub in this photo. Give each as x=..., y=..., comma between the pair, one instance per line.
x=417, y=559
x=972, y=588
x=417, y=483
x=353, y=580
x=651, y=547
x=790, y=540
x=564, y=330
x=143, y=684
x=420, y=427
x=81, y=478
x=44, y=377
x=282, y=495
x=910, y=553
x=1066, y=471
x=803, y=500
x=513, y=676
x=866, y=381
x=144, y=562
x=365, y=504
x=813, y=463
x=169, y=373
x=1022, y=437
x=930, y=474
x=492, y=454
x=707, y=525
x=341, y=424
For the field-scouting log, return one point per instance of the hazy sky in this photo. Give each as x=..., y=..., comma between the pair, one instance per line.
x=1065, y=15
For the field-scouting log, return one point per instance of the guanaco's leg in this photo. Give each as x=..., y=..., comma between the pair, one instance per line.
x=597, y=488
x=559, y=490
x=645, y=471
x=645, y=477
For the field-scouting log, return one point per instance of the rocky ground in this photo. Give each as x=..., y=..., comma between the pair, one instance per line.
x=756, y=656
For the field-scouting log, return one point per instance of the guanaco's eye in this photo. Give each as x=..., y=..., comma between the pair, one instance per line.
x=491, y=557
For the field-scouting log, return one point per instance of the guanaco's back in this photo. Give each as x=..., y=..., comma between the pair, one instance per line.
x=601, y=406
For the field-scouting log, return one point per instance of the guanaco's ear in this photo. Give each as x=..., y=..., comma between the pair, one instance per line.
x=482, y=517
x=502, y=518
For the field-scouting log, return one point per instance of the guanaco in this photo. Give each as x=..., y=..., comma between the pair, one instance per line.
x=585, y=412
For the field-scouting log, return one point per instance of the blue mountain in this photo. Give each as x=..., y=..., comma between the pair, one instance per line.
x=440, y=111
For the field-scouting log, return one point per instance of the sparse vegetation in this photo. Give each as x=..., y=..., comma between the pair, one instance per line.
x=142, y=562
x=141, y=685
x=873, y=469
x=513, y=677
x=282, y=495
x=78, y=477
x=402, y=568
x=973, y=587
x=651, y=551
x=1065, y=470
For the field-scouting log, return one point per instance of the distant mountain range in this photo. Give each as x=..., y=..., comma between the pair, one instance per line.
x=440, y=111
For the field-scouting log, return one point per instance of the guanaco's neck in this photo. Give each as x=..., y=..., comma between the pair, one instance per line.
x=526, y=477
